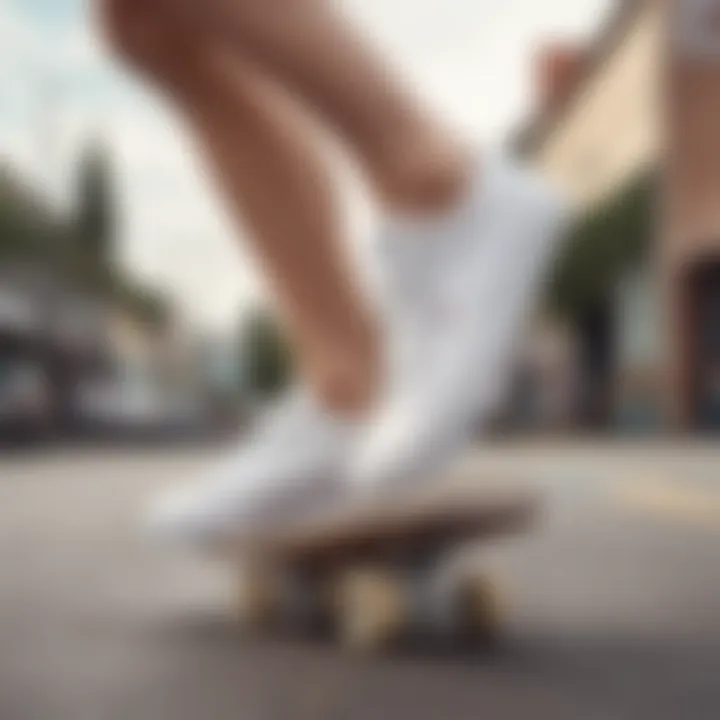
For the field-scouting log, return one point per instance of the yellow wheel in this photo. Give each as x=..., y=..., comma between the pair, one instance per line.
x=482, y=608
x=370, y=609
x=256, y=597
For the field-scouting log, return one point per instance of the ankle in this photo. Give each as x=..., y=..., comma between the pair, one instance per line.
x=426, y=175
x=347, y=387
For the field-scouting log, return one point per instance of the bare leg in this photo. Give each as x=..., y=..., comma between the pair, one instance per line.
x=277, y=184
x=308, y=46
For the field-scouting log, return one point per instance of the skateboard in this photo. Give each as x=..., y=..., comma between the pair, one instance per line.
x=377, y=572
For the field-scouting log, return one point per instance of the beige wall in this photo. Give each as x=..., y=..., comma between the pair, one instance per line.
x=613, y=126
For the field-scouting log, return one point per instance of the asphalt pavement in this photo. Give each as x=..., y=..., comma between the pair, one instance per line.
x=614, y=610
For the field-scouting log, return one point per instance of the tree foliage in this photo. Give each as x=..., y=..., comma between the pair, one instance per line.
x=24, y=230
x=267, y=359
x=95, y=212
x=602, y=244
x=78, y=249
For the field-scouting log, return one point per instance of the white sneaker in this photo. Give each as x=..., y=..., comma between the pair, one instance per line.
x=462, y=287
x=291, y=467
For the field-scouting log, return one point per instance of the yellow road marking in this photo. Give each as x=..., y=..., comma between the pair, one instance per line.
x=672, y=501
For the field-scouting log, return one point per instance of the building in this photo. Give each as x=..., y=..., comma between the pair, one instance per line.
x=690, y=252
x=52, y=337
x=83, y=348
x=627, y=126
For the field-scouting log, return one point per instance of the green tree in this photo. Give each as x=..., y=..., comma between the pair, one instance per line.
x=95, y=221
x=603, y=243
x=79, y=250
x=267, y=359
x=26, y=229
x=90, y=254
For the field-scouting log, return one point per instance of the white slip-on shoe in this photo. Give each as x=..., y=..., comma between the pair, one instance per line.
x=462, y=288
x=291, y=467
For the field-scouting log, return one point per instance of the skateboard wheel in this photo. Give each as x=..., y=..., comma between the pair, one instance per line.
x=305, y=604
x=370, y=609
x=481, y=609
x=256, y=598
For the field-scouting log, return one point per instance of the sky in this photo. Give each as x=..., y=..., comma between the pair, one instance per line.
x=59, y=90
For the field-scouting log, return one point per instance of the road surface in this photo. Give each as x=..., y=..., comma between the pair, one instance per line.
x=615, y=613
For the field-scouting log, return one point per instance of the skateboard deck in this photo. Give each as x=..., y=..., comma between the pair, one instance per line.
x=393, y=527
x=374, y=570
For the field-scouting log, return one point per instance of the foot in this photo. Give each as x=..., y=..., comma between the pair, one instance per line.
x=289, y=468
x=462, y=286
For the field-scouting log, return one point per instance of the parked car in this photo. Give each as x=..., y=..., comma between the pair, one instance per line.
x=117, y=408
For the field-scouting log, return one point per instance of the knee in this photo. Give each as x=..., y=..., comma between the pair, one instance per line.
x=148, y=36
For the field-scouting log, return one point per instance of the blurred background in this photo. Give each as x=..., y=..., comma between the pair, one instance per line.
x=127, y=308
x=135, y=339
